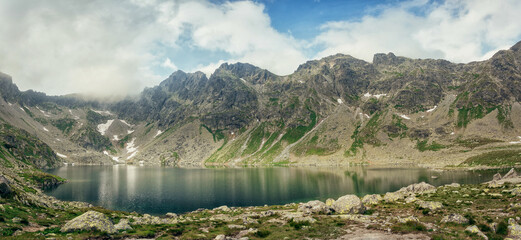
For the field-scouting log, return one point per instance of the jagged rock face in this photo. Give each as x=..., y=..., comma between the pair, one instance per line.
x=339, y=106
x=5, y=188
x=26, y=147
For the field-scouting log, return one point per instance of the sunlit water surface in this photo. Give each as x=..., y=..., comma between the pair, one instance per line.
x=158, y=190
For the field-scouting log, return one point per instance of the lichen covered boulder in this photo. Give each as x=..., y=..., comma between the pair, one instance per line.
x=455, y=218
x=90, y=221
x=475, y=229
x=348, y=204
x=433, y=206
x=393, y=196
x=314, y=207
x=372, y=199
x=123, y=225
x=418, y=188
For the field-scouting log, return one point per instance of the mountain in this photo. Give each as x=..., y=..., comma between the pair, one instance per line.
x=336, y=110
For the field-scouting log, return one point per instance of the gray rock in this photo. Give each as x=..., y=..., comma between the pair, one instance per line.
x=372, y=199
x=454, y=185
x=496, y=177
x=348, y=204
x=433, y=206
x=475, y=229
x=418, y=188
x=5, y=188
x=223, y=209
x=16, y=220
x=454, y=218
x=314, y=207
x=304, y=219
x=393, y=196
x=510, y=174
x=220, y=237
x=89, y=221
x=123, y=225
x=171, y=215
x=514, y=231
x=235, y=226
x=407, y=219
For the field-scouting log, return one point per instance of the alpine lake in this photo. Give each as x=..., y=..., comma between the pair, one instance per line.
x=159, y=190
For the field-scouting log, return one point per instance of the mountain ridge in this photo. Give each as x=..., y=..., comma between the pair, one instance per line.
x=338, y=109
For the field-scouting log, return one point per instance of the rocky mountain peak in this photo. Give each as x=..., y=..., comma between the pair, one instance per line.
x=516, y=47
x=387, y=59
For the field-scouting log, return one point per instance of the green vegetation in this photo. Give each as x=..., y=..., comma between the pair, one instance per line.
x=124, y=141
x=423, y=146
x=366, y=134
x=64, y=124
x=295, y=133
x=26, y=110
x=495, y=158
x=408, y=227
x=41, y=179
x=217, y=134
x=398, y=128
x=95, y=118
x=503, y=117
x=255, y=140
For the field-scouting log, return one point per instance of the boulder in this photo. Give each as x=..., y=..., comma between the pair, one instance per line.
x=510, y=174
x=372, y=199
x=329, y=202
x=475, y=229
x=514, y=230
x=171, y=215
x=418, y=188
x=123, y=225
x=304, y=219
x=223, y=209
x=516, y=191
x=454, y=185
x=393, y=196
x=454, y=218
x=314, y=207
x=408, y=219
x=496, y=177
x=89, y=221
x=433, y=206
x=5, y=188
x=348, y=204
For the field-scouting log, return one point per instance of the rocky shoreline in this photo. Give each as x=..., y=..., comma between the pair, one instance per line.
x=419, y=211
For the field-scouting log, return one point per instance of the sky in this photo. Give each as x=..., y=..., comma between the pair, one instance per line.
x=113, y=48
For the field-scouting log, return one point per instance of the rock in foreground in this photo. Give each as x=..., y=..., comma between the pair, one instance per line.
x=348, y=204
x=89, y=221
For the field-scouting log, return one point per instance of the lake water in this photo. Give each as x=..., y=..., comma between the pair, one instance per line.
x=157, y=190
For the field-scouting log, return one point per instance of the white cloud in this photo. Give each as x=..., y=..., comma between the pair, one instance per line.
x=241, y=29
x=457, y=30
x=169, y=64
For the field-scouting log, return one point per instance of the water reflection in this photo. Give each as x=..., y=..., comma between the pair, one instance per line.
x=160, y=190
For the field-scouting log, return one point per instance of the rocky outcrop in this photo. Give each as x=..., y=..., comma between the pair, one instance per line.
x=123, y=225
x=372, y=199
x=348, y=204
x=474, y=229
x=431, y=205
x=454, y=218
x=90, y=221
x=5, y=189
x=418, y=188
x=314, y=207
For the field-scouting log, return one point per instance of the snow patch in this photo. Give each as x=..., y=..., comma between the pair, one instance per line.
x=103, y=112
x=42, y=111
x=102, y=128
x=243, y=80
x=405, y=117
x=158, y=133
x=517, y=142
x=377, y=96
x=61, y=155
x=367, y=116
x=45, y=129
x=22, y=109
x=132, y=155
x=123, y=121
x=75, y=117
x=130, y=131
x=432, y=109
x=339, y=101
x=115, y=138
x=113, y=158
x=10, y=104
x=300, y=81
x=59, y=140
x=130, y=146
